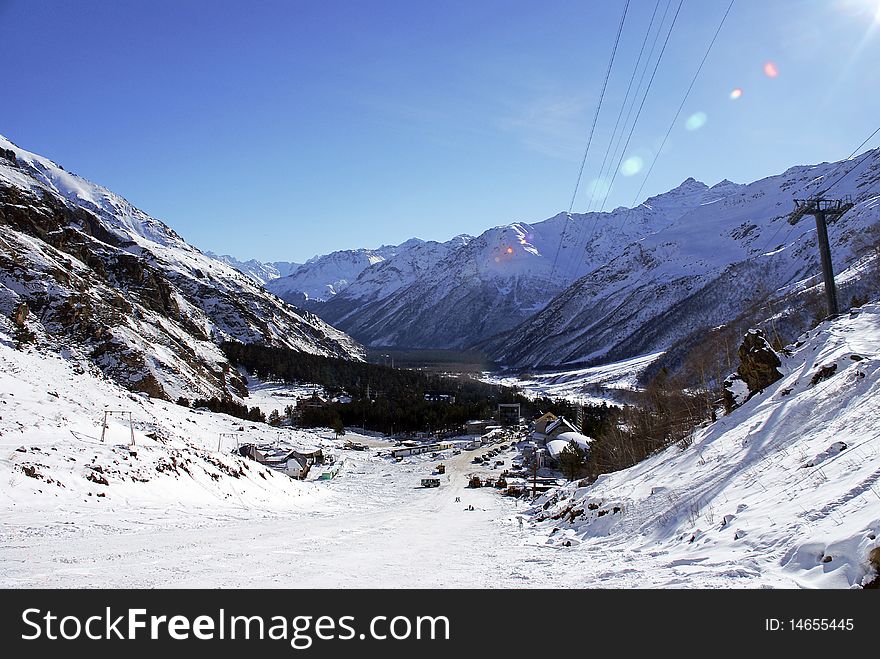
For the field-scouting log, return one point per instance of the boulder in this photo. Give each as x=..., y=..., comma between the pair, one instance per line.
x=759, y=367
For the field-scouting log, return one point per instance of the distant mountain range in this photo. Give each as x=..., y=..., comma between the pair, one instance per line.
x=584, y=288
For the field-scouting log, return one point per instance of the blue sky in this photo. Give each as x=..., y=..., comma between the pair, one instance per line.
x=279, y=130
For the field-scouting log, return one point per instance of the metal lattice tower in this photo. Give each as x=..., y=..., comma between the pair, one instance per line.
x=825, y=211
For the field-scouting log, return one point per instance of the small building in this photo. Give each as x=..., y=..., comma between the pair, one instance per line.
x=508, y=414
x=557, y=427
x=492, y=434
x=440, y=397
x=405, y=451
x=556, y=446
x=292, y=462
x=329, y=474
x=477, y=427
x=294, y=468
x=540, y=424
x=314, y=401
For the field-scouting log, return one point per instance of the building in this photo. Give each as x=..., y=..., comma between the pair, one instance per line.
x=477, y=427
x=493, y=433
x=557, y=445
x=557, y=427
x=292, y=462
x=508, y=414
x=539, y=425
x=405, y=451
x=314, y=401
x=439, y=397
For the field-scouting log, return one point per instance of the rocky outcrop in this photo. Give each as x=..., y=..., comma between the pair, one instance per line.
x=759, y=368
x=84, y=272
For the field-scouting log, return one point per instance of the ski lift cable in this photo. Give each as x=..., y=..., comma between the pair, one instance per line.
x=590, y=137
x=599, y=105
x=841, y=164
x=683, y=101
x=834, y=183
x=642, y=105
x=632, y=129
x=626, y=95
x=629, y=112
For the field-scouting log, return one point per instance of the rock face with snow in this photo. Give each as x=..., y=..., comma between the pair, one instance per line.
x=699, y=257
x=323, y=277
x=595, y=287
x=758, y=369
x=260, y=272
x=104, y=282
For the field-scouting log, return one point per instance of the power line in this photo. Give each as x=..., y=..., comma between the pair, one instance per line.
x=641, y=107
x=638, y=114
x=599, y=106
x=632, y=106
x=590, y=138
x=841, y=164
x=683, y=101
x=626, y=96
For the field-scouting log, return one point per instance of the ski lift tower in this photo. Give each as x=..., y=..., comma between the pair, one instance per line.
x=825, y=211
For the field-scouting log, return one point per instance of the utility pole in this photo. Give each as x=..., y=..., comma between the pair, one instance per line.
x=825, y=211
x=534, y=473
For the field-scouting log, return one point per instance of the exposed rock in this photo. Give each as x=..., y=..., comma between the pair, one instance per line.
x=114, y=287
x=823, y=374
x=19, y=316
x=758, y=369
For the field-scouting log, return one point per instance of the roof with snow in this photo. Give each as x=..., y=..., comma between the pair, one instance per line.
x=556, y=446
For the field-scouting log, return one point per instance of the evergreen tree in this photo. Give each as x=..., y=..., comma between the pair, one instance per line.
x=572, y=461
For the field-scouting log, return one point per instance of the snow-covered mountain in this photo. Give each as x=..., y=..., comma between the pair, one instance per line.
x=260, y=272
x=585, y=287
x=693, y=267
x=783, y=491
x=84, y=272
x=323, y=277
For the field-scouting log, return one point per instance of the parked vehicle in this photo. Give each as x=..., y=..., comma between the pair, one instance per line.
x=430, y=482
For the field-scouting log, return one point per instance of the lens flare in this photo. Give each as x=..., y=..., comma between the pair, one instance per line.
x=696, y=121
x=631, y=166
x=736, y=94
x=771, y=70
x=599, y=189
x=510, y=250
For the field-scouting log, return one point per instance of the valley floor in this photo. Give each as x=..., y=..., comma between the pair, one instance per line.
x=783, y=492
x=374, y=528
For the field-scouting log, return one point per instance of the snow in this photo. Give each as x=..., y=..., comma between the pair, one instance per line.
x=782, y=492
x=216, y=302
x=557, y=446
x=736, y=508
x=743, y=500
x=593, y=385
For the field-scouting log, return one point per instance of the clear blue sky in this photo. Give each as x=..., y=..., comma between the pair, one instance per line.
x=279, y=130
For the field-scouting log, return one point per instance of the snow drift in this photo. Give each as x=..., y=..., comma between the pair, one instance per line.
x=783, y=491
